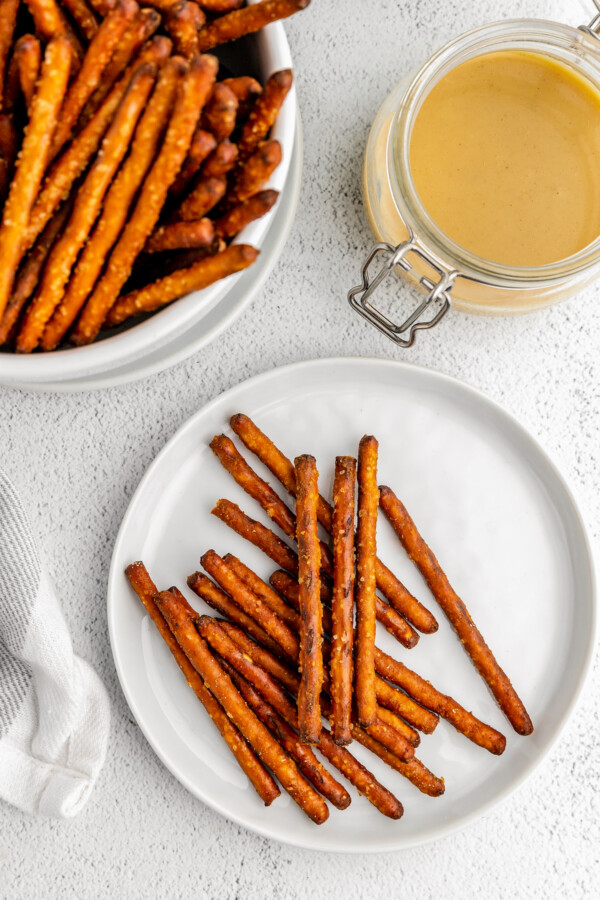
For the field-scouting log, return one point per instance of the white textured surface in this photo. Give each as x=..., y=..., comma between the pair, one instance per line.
x=77, y=459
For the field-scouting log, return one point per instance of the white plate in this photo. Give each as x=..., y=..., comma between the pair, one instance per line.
x=268, y=51
x=493, y=507
x=220, y=317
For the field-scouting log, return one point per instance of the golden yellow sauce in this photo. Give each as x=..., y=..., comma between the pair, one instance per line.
x=505, y=156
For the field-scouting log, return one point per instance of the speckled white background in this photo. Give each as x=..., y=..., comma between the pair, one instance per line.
x=77, y=460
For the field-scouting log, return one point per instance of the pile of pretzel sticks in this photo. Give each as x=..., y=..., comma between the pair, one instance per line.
x=129, y=159
x=301, y=649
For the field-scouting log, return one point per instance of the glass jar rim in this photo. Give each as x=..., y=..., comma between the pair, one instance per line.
x=565, y=42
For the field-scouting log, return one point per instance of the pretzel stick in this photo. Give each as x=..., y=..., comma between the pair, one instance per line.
x=246, y=90
x=292, y=618
x=413, y=770
x=387, y=696
x=254, y=172
x=232, y=222
x=180, y=22
x=220, y=113
x=254, y=680
x=247, y=759
x=264, y=616
x=203, y=144
x=137, y=33
x=264, y=112
x=180, y=617
x=236, y=24
x=220, y=6
x=32, y=160
x=456, y=612
x=282, y=468
x=94, y=63
x=8, y=18
x=191, y=96
x=262, y=679
x=302, y=755
x=181, y=236
x=264, y=592
x=29, y=274
x=309, y=564
x=117, y=202
x=183, y=281
x=201, y=199
x=83, y=17
x=221, y=160
x=340, y=666
x=251, y=603
x=85, y=210
x=69, y=166
x=12, y=87
x=222, y=603
x=28, y=57
x=286, y=558
x=368, y=499
x=48, y=19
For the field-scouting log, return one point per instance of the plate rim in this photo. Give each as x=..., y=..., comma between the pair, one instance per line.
x=571, y=495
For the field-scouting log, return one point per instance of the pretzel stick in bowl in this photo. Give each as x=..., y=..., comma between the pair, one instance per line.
x=183, y=281
x=243, y=21
x=193, y=91
x=85, y=210
x=117, y=202
x=181, y=236
x=232, y=222
x=220, y=113
x=180, y=618
x=28, y=57
x=482, y=657
x=264, y=112
x=32, y=159
x=247, y=759
x=282, y=468
x=8, y=16
x=82, y=15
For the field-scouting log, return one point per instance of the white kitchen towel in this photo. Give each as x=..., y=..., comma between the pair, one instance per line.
x=54, y=710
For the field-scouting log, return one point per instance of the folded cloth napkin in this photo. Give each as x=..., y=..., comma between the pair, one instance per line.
x=54, y=710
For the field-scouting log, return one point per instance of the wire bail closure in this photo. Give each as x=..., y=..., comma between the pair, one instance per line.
x=438, y=295
x=593, y=28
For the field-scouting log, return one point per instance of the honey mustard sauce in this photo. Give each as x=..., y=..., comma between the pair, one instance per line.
x=505, y=157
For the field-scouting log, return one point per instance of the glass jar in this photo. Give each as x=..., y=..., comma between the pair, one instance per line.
x=410, y=240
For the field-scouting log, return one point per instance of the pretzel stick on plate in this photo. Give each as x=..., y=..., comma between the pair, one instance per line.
x=456, y=612
x=283, y=469
x=223, y=603
x=311, y=613
x=258, y=680
x=387, y=696
x=183, y=281
x=264, y=591
x=368, y=499
x=180, y=617
x=243, y=21
x=85, y=210
x=262, y=677
x=32, y=160
x=264, y=112
x=94, y=63
x=251, y=603
x=342, y=632
x=192, y=94
x=250, y=764
x=117, y=201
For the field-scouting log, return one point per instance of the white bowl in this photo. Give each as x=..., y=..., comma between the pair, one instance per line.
x=267, y=52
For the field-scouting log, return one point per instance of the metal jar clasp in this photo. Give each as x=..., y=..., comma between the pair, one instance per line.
x=438, y=296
